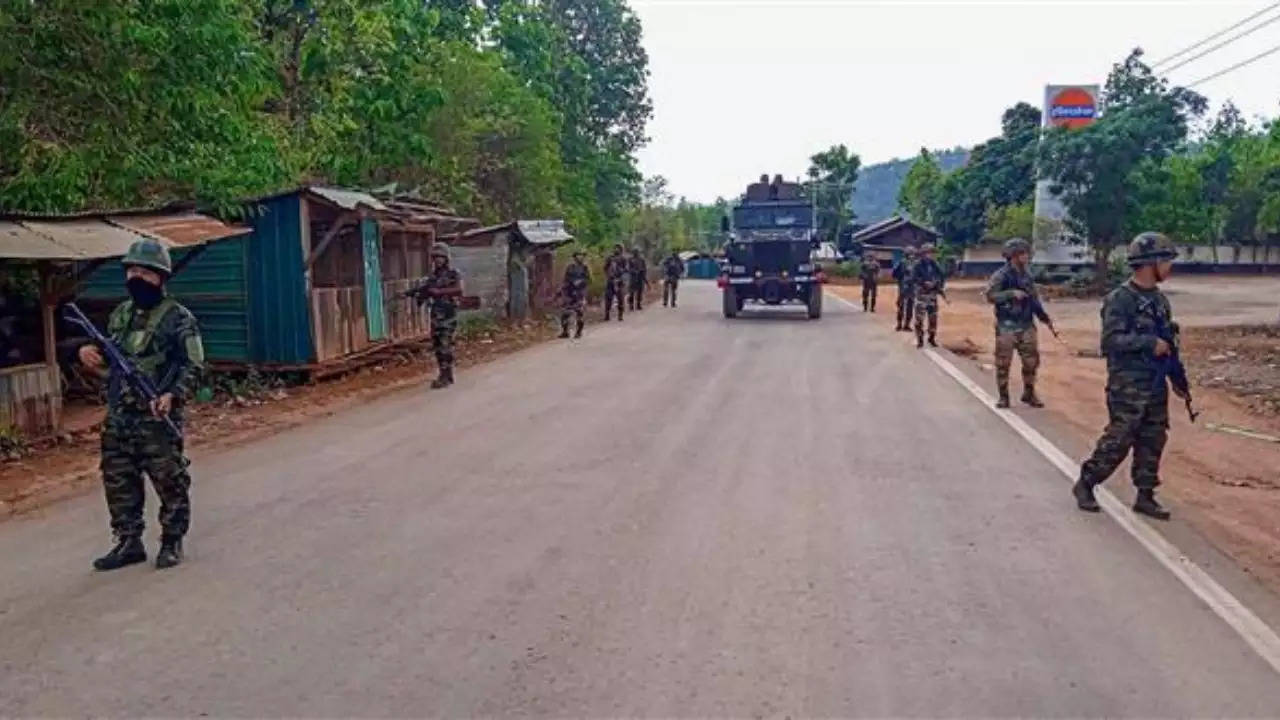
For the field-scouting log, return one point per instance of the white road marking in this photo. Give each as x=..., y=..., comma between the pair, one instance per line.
x=1226, y=606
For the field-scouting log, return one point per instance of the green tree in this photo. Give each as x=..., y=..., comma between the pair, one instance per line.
x=832, y=174
x=1092, y=169
x=1009, y=221
x=129, y=103
x=920, y=189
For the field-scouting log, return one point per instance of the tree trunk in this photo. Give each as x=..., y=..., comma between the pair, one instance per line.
x=1102, y=263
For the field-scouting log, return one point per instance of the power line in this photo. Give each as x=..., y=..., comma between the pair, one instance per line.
x=1221, y=45
x=1235, y=67
x=1215, y=36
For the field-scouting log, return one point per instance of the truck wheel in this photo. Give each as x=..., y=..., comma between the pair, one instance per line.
x=815, y=302
x=731, y=302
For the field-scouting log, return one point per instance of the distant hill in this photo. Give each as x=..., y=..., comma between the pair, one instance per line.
x=875, y=195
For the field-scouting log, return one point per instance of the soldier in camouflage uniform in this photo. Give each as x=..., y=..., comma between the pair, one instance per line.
x=638, y=276
x=1134, y=316
x=442, y=290
x=1017, y=305
x=573, y=294
x=161, y=338
x=906, y=292
x=615, y=281
x=928, y=282
x=870, y=274
x=672, y=271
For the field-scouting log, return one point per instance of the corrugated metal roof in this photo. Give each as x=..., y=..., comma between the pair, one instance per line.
x=85, y=239
x=891, y=224
x=180, y=229
x=544, y=232
x=19, y=242
x=348, y=199
x=95, y=238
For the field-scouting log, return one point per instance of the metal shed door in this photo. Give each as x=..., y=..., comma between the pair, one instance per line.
x=374, y=312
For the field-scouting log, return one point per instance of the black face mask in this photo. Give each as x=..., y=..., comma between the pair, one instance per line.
x=144, y=294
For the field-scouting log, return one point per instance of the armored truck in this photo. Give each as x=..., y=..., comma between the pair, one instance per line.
x=768, y=250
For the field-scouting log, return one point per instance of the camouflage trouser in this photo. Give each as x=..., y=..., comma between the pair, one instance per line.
x=1139, y=419
x=137, y=444
x=906, y=307
x=613, y=291
x=669, y=288
x=926, y=307
x=635, y=293
x=572, y=307
x=869, y=290
x=1027, y=345
x=444, y=323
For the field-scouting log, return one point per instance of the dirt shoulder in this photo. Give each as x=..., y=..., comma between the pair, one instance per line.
x=1227, y=487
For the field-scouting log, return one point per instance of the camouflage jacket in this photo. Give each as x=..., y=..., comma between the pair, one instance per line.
x=442, y=306
x=615, y=267
x=672, y=268
x=927, y=280
x=163, y=343
x=1013, y=314
x=902, y=273
x=869, y=271
x=576, y=279
x=639, y=271
x=1130, y=319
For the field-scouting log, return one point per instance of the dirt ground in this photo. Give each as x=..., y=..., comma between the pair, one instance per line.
x=69, y=466
x=1226, y=485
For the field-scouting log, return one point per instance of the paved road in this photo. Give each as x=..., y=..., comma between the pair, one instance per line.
x=676, y=516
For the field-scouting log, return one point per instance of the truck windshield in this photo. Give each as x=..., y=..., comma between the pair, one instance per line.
x=800, y=216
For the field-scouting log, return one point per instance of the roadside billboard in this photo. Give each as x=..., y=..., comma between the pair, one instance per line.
x=1072, y=107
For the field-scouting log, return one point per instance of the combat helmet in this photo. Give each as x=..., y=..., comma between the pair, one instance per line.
x=441, y=250
x=1149, y=248
x=1013, y=246
x=149, y=254
x=911, y=250
x=926, y=248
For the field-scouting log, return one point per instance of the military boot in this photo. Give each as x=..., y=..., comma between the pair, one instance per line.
x=919, y=340
x=578, y=333
x=1085, y=500
x=564, y=329
x=1030, y=398
x=1146, y=504
x=1003, y=402
x=445, y=379
x=933, y=340
x=170, y=552
x=128, y=551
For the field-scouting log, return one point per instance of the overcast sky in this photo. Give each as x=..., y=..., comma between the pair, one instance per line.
x=743, y=87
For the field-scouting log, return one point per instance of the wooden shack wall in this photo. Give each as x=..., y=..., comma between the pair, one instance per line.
x=31, y=399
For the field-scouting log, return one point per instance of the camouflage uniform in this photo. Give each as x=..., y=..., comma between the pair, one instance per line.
x=672, y=271
x=1133, y=319
x=573, y=295
x=163, y=343
x=1015, y=325
x=928, y=282
x=902, y=272
x=638, y=275
x=1138, y=405
x=615, y=271
x=870, y=273
x=444, y=313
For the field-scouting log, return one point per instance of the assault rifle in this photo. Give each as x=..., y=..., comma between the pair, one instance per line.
x=1170, y=366
x=119, y=363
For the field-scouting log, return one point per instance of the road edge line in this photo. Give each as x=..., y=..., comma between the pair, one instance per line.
x=1256, y=633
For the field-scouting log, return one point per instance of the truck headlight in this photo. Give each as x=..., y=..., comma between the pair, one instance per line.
x=738, y=269
x=806, y=268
